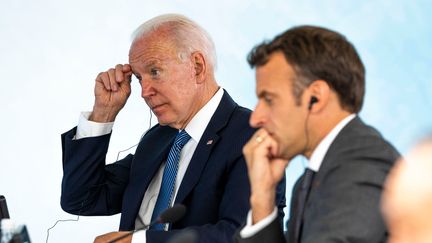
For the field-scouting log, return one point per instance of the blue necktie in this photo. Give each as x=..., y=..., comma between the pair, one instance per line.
x=169, y=178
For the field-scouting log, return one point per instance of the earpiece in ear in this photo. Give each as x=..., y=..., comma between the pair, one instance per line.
x=312, y=101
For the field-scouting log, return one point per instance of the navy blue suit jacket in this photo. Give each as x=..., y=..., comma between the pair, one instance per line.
x=215, y=188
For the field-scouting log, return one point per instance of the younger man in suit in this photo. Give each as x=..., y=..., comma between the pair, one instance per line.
x=310, y=85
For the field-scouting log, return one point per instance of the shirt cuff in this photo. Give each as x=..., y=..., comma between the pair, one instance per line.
x=139, y=237
x=88, y=128
x=250, y=230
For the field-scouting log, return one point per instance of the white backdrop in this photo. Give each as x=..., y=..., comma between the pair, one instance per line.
x=51, y=51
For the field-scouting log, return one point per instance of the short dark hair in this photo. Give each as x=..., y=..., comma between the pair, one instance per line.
x=318, y=53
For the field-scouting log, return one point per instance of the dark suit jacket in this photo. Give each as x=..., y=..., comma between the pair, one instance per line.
x=343, y=202
x=215, y=188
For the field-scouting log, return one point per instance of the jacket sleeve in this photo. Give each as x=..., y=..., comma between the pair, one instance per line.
x=272, y=233
x=89, y=187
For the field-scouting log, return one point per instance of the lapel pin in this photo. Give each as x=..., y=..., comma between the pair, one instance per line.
x=209, y=141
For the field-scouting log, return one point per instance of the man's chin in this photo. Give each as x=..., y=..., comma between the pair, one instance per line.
x=279, y=156
x=162, y=122
x=168, y=122
x=286, y=156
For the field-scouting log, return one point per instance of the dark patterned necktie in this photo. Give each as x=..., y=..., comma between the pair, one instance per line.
x=301, y=201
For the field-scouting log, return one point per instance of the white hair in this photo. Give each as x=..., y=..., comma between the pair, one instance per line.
x=186, y=33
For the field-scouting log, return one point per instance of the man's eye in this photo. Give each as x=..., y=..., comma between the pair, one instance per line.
x=154, y=72
x=268, y=100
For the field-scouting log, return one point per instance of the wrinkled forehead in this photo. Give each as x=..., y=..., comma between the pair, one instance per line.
x=152, y=47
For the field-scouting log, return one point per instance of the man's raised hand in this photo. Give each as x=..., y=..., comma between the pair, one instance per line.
x=112, y=89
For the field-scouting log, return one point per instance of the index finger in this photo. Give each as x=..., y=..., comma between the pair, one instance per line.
x=259, y=136
x=119, y=73
x=127, y=68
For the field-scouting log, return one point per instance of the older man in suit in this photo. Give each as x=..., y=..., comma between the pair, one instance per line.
x=310, y=85
x=193, y=156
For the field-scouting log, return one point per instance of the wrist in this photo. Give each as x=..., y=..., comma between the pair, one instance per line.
x=262, y=205
x=102, y=116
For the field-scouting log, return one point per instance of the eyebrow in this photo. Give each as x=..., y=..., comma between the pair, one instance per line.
x=147, y=64
x=152, y=63
x=265, y=94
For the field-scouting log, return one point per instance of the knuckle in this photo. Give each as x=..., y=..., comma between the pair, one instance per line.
x=99, y=76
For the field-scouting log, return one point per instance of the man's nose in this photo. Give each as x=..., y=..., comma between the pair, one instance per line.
x=257, y=118
x=147, y=89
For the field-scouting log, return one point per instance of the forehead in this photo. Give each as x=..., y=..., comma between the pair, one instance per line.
x=276, y=75
x=152, y=48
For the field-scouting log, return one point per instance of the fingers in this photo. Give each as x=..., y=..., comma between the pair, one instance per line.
x=127, y=68
x=103, y=78
x=260, y=145
x=114, y=77
x=262, y=157
x=123, y=73
x=113, y=236
x=264, y=173
x=262, y=139
x=108, y=80
x=270, y=148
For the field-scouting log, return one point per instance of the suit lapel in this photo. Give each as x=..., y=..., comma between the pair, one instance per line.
x=328, y=162
x=205, y=146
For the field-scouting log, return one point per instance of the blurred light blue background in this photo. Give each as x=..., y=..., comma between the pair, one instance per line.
x=51, y=51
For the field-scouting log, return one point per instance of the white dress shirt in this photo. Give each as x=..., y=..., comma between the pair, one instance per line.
x=314, y=164
x=195, y=128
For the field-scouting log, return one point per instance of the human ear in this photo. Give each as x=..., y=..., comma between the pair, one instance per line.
x=199, y=64
x=319, y=92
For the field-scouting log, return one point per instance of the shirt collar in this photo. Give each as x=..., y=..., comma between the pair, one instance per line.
x=322, y=148
x=199, y=122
